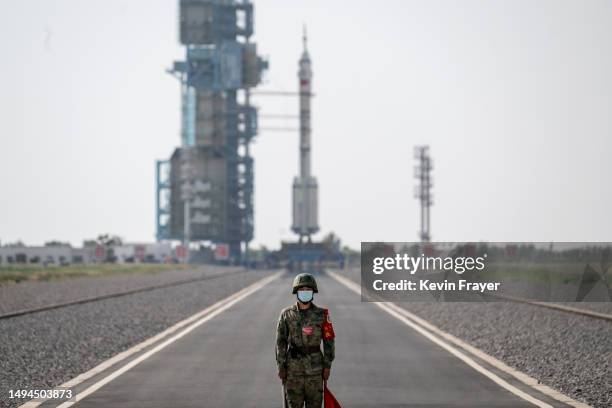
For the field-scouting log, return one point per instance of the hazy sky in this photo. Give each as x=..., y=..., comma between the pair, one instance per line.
x=514, y=98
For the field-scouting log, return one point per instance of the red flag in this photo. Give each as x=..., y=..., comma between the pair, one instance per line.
x=328, y=398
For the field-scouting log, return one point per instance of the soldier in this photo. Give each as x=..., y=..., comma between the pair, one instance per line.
x=301, y=366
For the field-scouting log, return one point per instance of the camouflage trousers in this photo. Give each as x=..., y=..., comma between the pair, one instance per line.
x=304, y=390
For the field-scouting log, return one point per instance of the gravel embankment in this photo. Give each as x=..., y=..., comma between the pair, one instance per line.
x=568, y=352
x=28, y=295
x=48, y=348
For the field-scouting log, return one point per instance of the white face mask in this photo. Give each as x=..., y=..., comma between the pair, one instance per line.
x=304, y=296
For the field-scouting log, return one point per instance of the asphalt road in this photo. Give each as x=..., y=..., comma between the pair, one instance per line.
x=229, y=362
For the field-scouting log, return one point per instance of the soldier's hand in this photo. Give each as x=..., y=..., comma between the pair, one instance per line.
x=282, y=374
x=326, y=372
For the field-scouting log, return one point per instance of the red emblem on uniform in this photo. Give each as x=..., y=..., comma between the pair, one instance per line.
x=327, y=328
x=307, y=330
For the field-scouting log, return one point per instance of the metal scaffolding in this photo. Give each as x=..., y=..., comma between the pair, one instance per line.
x=423, y=190
x=218, y=125
x=162, y=198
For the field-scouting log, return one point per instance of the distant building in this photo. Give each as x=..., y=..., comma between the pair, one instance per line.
x=45, y=255
x=67, y=255
x=144, y=252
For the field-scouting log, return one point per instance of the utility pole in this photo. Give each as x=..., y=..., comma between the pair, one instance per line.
x=423, y=190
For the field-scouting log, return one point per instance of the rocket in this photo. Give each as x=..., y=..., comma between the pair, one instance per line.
x=305, y=189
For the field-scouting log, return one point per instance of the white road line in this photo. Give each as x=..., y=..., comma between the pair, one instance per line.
x=430, y=331
x=191, y=322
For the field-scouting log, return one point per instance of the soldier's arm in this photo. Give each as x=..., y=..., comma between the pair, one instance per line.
x=329, y=352
x=329, y=349
x=281, y=342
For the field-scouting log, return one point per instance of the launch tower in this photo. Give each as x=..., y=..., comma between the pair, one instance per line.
x=205, y=190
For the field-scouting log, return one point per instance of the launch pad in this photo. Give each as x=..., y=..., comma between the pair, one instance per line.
x=205, y=189
x=306, y=255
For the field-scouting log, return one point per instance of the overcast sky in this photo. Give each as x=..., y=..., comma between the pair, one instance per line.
x=514, y=98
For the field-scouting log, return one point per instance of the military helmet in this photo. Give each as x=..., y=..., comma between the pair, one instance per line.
x=305, y=279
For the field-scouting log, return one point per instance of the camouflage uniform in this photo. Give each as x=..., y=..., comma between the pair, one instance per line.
x=298, y=339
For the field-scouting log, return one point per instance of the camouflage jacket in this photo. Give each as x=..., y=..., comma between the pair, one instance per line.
x=302, y=330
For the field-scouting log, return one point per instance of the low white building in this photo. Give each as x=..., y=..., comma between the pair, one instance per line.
x=46, y=255
x=66, y=255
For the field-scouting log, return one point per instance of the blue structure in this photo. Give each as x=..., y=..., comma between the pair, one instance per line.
x=211, y=175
